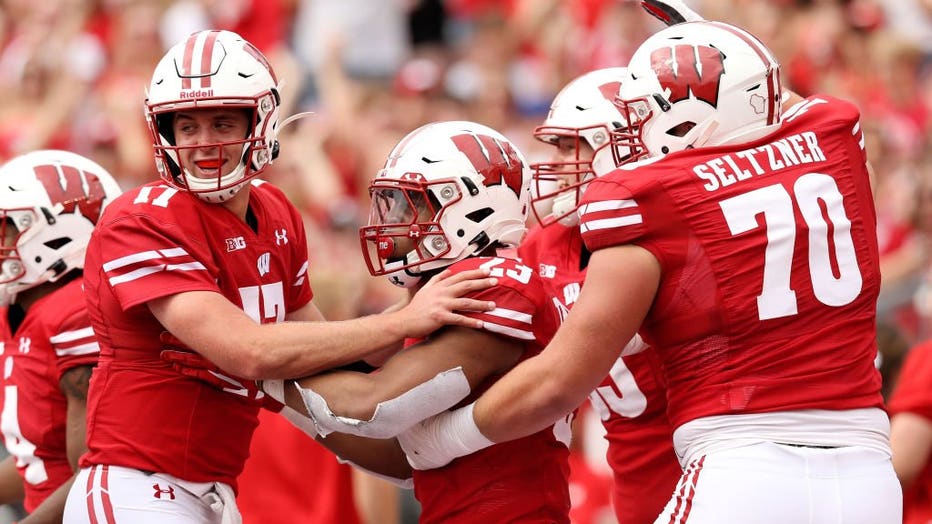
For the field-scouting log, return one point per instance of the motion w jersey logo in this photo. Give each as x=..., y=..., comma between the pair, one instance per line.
x=685, y=69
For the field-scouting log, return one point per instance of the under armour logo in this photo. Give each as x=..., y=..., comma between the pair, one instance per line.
x=170, y=492
x=24, y=344
x=281, y=236
x=547, y=271
x=263, y=263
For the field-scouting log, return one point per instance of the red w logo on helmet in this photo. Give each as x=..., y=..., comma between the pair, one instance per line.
x=73, y=188
x=685, y=69
x=610, y=90
x=496, y=160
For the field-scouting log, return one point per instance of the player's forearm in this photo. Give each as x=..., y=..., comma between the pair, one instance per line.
x=347, y=394
x=530, y=397
x=11, y=484
x=52, y=509
x=621, y=283
x=298, y=349
x=382, y=456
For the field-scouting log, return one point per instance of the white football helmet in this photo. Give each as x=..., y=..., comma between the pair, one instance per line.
x=447, y=191
x=49, y=203
x=584, y=110
x=213, y=69
x=698, y=84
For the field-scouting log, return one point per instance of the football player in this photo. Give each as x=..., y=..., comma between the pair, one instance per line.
x=631, y=400
x=451, y=195
x=217, y=259
x=743, y=247
x=49, y=203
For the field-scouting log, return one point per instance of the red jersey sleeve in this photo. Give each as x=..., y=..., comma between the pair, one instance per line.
x=74, y=342
x=522, y=309
x=144, y=259
x=609, y=215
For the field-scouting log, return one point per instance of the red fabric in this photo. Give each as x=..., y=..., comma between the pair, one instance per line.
x=723, y=350
x=913, y=394
x=630, y=401
x=152, y=242
x=289, y=477
x=524, y=480
x=54, y=337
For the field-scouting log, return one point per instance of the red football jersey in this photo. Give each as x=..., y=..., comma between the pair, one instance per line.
x=155, y=241
x=631, y=401
x=524, y=480
x=769, y=266
x=913, y=394
x=54, y=336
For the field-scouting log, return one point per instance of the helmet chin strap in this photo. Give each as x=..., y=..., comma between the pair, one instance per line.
x=219, y=195
x=403, y=277
x=564, y=207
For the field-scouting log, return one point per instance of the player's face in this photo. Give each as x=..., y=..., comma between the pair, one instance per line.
x=10, y=233
x=219, y=131
x=400, y=207
x=567, y=151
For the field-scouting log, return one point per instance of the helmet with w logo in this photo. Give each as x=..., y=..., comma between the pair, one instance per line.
x=698, y=84
x=447, y=191
x=583, y=112
x=214, y=69
x=50, y=202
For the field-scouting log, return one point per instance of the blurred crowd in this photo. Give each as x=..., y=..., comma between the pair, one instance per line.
x=73, y=75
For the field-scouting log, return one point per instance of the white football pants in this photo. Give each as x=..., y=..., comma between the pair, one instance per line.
x=118, y=495
x=768, y=483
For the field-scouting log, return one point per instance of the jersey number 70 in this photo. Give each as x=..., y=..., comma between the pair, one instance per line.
x=833, y=265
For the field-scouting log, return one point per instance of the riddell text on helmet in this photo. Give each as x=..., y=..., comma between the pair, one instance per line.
x=197, y=94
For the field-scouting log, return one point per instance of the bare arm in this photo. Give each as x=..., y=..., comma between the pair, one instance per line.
x=214, y=327
x=620, y=286
x=911, y=441
x=11, y=484
x=382, y=456
x=356, y=395
x=74, y=384
x=52, y=509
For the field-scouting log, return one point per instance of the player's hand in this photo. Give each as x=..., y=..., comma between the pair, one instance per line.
x=670, y=12
x=435, y=305
x=191, y=364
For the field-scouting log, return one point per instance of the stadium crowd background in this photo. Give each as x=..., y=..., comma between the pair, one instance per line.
x=73, y=74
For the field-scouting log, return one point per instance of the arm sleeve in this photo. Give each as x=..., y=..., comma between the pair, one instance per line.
x=74, y=341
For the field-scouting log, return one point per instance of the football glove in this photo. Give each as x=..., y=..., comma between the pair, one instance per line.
x=190, y=364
